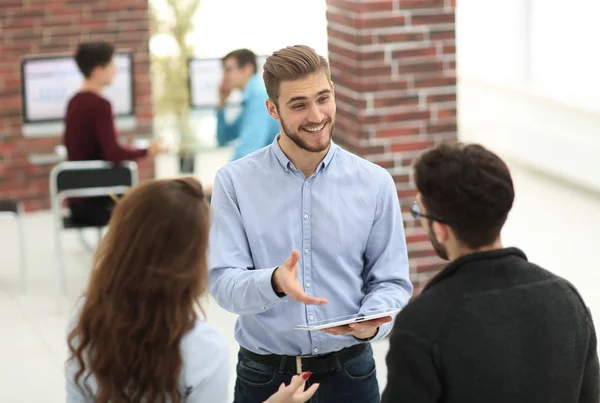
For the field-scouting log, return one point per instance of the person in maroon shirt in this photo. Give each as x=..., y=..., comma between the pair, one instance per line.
x=90, y=131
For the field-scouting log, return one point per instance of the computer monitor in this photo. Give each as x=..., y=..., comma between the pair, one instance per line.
x=204, y=80
x=50, y=81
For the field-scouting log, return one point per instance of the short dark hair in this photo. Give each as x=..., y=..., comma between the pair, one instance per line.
x=243, y=57
x=90, y=55
x=468, y=186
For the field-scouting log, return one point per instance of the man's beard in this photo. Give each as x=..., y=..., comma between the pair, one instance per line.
x=440, y=250
x=300, y=142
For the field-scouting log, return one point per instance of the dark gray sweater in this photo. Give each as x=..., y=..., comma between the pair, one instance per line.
x=492, y=327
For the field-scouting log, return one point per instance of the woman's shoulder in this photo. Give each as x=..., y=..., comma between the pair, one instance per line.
x=205, y=374
x=204, y=333
x=203, y=349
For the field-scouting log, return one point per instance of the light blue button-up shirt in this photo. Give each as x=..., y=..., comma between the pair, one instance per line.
x=345, y=220
x=253, y=128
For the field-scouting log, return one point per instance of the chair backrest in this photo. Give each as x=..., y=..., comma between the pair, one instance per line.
x=9, y=208
x=91, y=178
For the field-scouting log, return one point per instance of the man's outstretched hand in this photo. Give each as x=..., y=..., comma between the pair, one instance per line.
x=285, y=281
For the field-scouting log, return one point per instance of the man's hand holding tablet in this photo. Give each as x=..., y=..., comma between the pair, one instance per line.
x=361, y=330
x=361, y=326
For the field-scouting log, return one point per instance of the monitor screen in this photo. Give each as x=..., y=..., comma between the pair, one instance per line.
x=205, y=78
x=50, y=81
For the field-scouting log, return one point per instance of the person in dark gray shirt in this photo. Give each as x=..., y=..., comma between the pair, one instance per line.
x=491, y=326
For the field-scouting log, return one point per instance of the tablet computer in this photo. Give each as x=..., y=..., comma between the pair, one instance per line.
x=346, y=320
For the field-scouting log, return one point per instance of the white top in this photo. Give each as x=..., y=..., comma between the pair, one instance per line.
x=205, y=373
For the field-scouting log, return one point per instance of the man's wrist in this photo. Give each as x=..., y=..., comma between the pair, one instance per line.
x=276, y=290
x=368, y=338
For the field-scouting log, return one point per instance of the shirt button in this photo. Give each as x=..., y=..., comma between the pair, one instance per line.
x=310, y=317
x=315, y=350
x=306, y=216
x=308, y=285
x=262, y=307
x=305, y=183
x=305, y=250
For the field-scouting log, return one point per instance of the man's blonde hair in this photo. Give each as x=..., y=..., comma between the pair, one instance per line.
x=289, y=64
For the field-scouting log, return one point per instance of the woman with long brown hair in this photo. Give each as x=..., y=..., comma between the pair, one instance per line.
x=135, y=336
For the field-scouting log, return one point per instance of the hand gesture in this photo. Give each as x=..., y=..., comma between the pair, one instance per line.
x=224, y=91
x=285, y=280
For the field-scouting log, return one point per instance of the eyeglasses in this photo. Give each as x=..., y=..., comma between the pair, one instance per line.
x=227, y=69
x=415, y=211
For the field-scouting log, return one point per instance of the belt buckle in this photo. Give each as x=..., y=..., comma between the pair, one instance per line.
x=299, y=362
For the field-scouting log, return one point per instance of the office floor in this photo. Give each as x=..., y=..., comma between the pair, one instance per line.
x=554, y=224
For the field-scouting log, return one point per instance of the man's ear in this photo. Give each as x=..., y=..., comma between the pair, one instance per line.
x=95, y=71
x=441, y=231
x=248, y=69
x=272, y=109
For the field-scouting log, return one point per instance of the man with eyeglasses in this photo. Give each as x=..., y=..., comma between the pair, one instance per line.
x=253, y=128
x=491, y=326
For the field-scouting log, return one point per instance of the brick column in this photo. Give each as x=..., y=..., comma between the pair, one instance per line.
x=40, y=27
x=393, y=66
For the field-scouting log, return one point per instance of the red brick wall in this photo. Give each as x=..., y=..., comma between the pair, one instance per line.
x=393, y=67
x=56, y=26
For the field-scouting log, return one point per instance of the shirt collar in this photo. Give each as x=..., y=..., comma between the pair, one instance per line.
x=287, y=164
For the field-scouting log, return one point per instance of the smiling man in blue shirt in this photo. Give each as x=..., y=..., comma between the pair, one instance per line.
x=304, y=231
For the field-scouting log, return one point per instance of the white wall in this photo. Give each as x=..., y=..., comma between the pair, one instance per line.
x=490, y=36
x=565, y=59
x=529, y=83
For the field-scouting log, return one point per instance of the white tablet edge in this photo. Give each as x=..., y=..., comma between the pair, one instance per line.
x=348, y=321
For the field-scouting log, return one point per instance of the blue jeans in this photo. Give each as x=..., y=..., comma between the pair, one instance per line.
x=355, y=382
